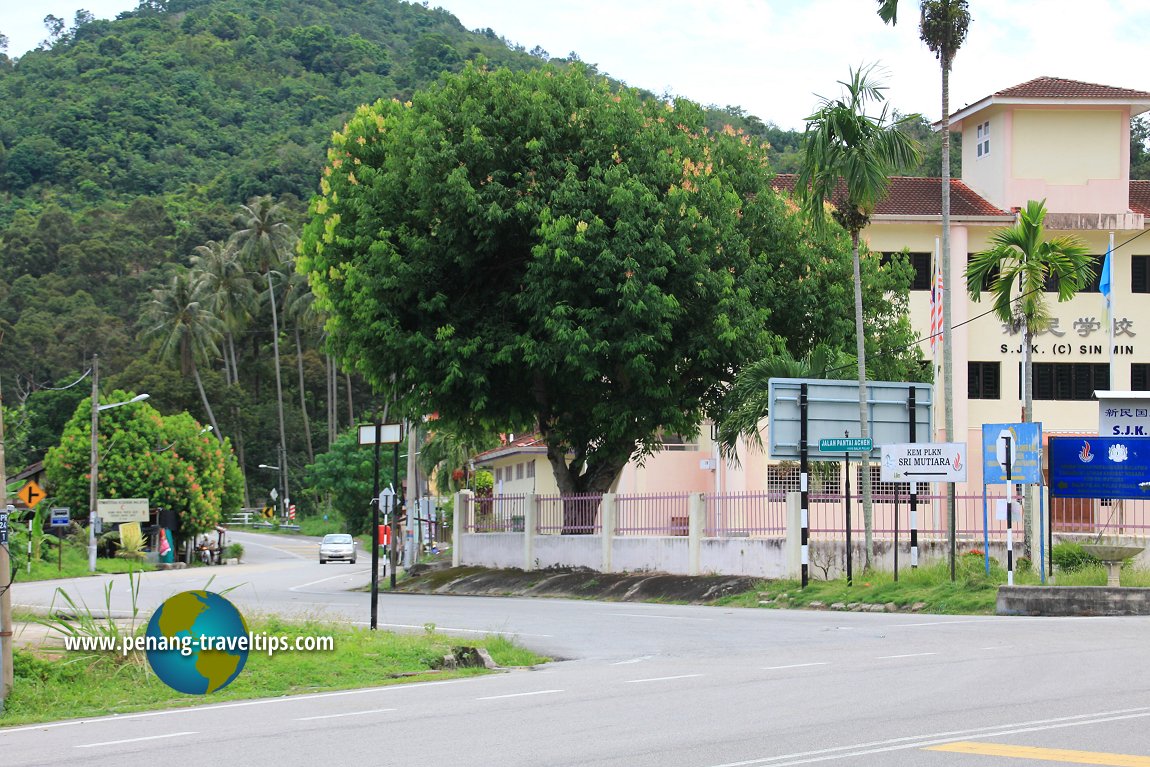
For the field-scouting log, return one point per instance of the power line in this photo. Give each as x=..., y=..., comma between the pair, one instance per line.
x=891, y=352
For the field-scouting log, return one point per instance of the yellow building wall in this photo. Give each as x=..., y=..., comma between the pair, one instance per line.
x=1071, y=158
x=987, y=175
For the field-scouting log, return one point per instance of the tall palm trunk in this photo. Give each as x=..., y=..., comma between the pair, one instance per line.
x=279, y=392
x=864, y=422
x=1027, y=417
x=204, y=398
x=947, y=336
x=302, y=399
x=350, y=404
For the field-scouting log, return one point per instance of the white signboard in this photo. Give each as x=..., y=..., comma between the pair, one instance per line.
x=1123, y=414
x=116, y=510
x=389, y=433
x=924, y=462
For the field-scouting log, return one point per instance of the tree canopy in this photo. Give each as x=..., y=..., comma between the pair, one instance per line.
x=543, y=247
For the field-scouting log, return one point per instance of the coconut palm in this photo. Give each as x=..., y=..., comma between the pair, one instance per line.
x=185, y=330
x=847, y=162
x=942, y=26
x=299, y=309
x=230, y=295
x=266, y=242
x=1015, y=270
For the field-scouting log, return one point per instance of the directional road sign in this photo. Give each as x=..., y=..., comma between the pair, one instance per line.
x=924, y=462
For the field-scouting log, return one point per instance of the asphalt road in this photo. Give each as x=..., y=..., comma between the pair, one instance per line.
x=643, y=684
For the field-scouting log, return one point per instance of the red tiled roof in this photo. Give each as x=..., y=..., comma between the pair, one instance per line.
x=526, y=443
x=1060, y=88
x=1140, y=197
x=915, y=196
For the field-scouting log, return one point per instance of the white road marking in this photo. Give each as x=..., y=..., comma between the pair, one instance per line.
x=662, y=678
x=931, y=739
x=793, y=665
x=941, y=623
x=662, y=617
x=520, y=694
x=136, y=740
x=242, y=704
x=633, y=660
x=908, y=655
x=276, y=548
x=448, y=628
x=330, y=578
x=350, y=713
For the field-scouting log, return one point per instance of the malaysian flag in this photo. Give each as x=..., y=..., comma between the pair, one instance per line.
x=936, y=288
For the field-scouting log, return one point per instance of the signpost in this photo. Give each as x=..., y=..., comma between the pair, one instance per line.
x=924, y=462
x=57, y=518
x=117, y=510
x=377, y=434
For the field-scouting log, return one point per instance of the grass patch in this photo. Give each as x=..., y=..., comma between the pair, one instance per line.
x=75, y=565
x=57, y=686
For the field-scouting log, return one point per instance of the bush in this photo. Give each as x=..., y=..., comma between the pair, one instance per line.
x=234, y=551
x=1070, y=557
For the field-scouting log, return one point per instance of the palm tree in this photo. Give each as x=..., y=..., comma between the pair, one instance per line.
x=1015, y=270
x=847, y=162
x=186, y=331
x=299, y=308
x=747, y=402
x=230, y=295
x=942, y=26
x=266, y=242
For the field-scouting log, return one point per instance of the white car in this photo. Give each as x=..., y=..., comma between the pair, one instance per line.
x=339, y=546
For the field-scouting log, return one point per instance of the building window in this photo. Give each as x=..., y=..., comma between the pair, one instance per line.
x=1139, y=274
x=1093, y=282
x=1140, y=376
x=531, y=470
x=1068, y=380
x=519, y=468
x=983, y=144
x=498, y=474
x=920, y=262
x=982, y=380
x=878, y=488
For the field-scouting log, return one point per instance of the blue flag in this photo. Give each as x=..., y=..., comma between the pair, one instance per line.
x=1104, y=281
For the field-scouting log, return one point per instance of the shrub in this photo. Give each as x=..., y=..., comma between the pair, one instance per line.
x=234, y=551
x=1070, y=557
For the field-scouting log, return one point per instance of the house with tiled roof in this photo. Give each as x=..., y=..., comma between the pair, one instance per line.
x=1053, y=139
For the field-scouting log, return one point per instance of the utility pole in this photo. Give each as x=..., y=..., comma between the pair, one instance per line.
x=6, y=675
x=94, y=463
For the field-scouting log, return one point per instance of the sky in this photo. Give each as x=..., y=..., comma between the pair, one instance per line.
x=775, y=58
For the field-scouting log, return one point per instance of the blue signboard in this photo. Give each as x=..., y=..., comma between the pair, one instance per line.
x=1100, y=467
x=1025, y=440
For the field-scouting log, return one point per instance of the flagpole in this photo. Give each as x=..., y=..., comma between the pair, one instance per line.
x=1108, y=268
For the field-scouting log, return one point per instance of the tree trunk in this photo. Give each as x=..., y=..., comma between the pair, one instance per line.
x=204, y=399
x=1027, y=417
x=302, y=399
x=864, y=422
x=332, y=390
x=279, y=394
x=947, y=336
x=350, y=403
x=582, y=491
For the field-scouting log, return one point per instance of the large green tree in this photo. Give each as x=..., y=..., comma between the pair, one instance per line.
x=543, y=247
x=1015, y=270
x=848, y=159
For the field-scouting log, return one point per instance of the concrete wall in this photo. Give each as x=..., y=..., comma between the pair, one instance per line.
x=567, y=551
x=756, y=557
x=661, y=554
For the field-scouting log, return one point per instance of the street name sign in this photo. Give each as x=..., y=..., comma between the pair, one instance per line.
x=116, y=510
x=924, y=462
x=846, y=445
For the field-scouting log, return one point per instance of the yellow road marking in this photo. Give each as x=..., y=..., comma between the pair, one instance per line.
x=1045, y=754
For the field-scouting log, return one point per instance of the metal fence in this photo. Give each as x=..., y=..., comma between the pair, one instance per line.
x=764, y=514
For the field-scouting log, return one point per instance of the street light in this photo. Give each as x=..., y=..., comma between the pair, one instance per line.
x=204, y=430
x=274, y=493
x=94, y=463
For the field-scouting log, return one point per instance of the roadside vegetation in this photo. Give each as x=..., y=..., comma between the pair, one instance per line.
x=52, y=685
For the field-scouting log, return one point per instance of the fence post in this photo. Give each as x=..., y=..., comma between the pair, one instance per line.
x=696, y=513
x=794, y=535
x=608, y=512
x=530, y=524
x=459, y=525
